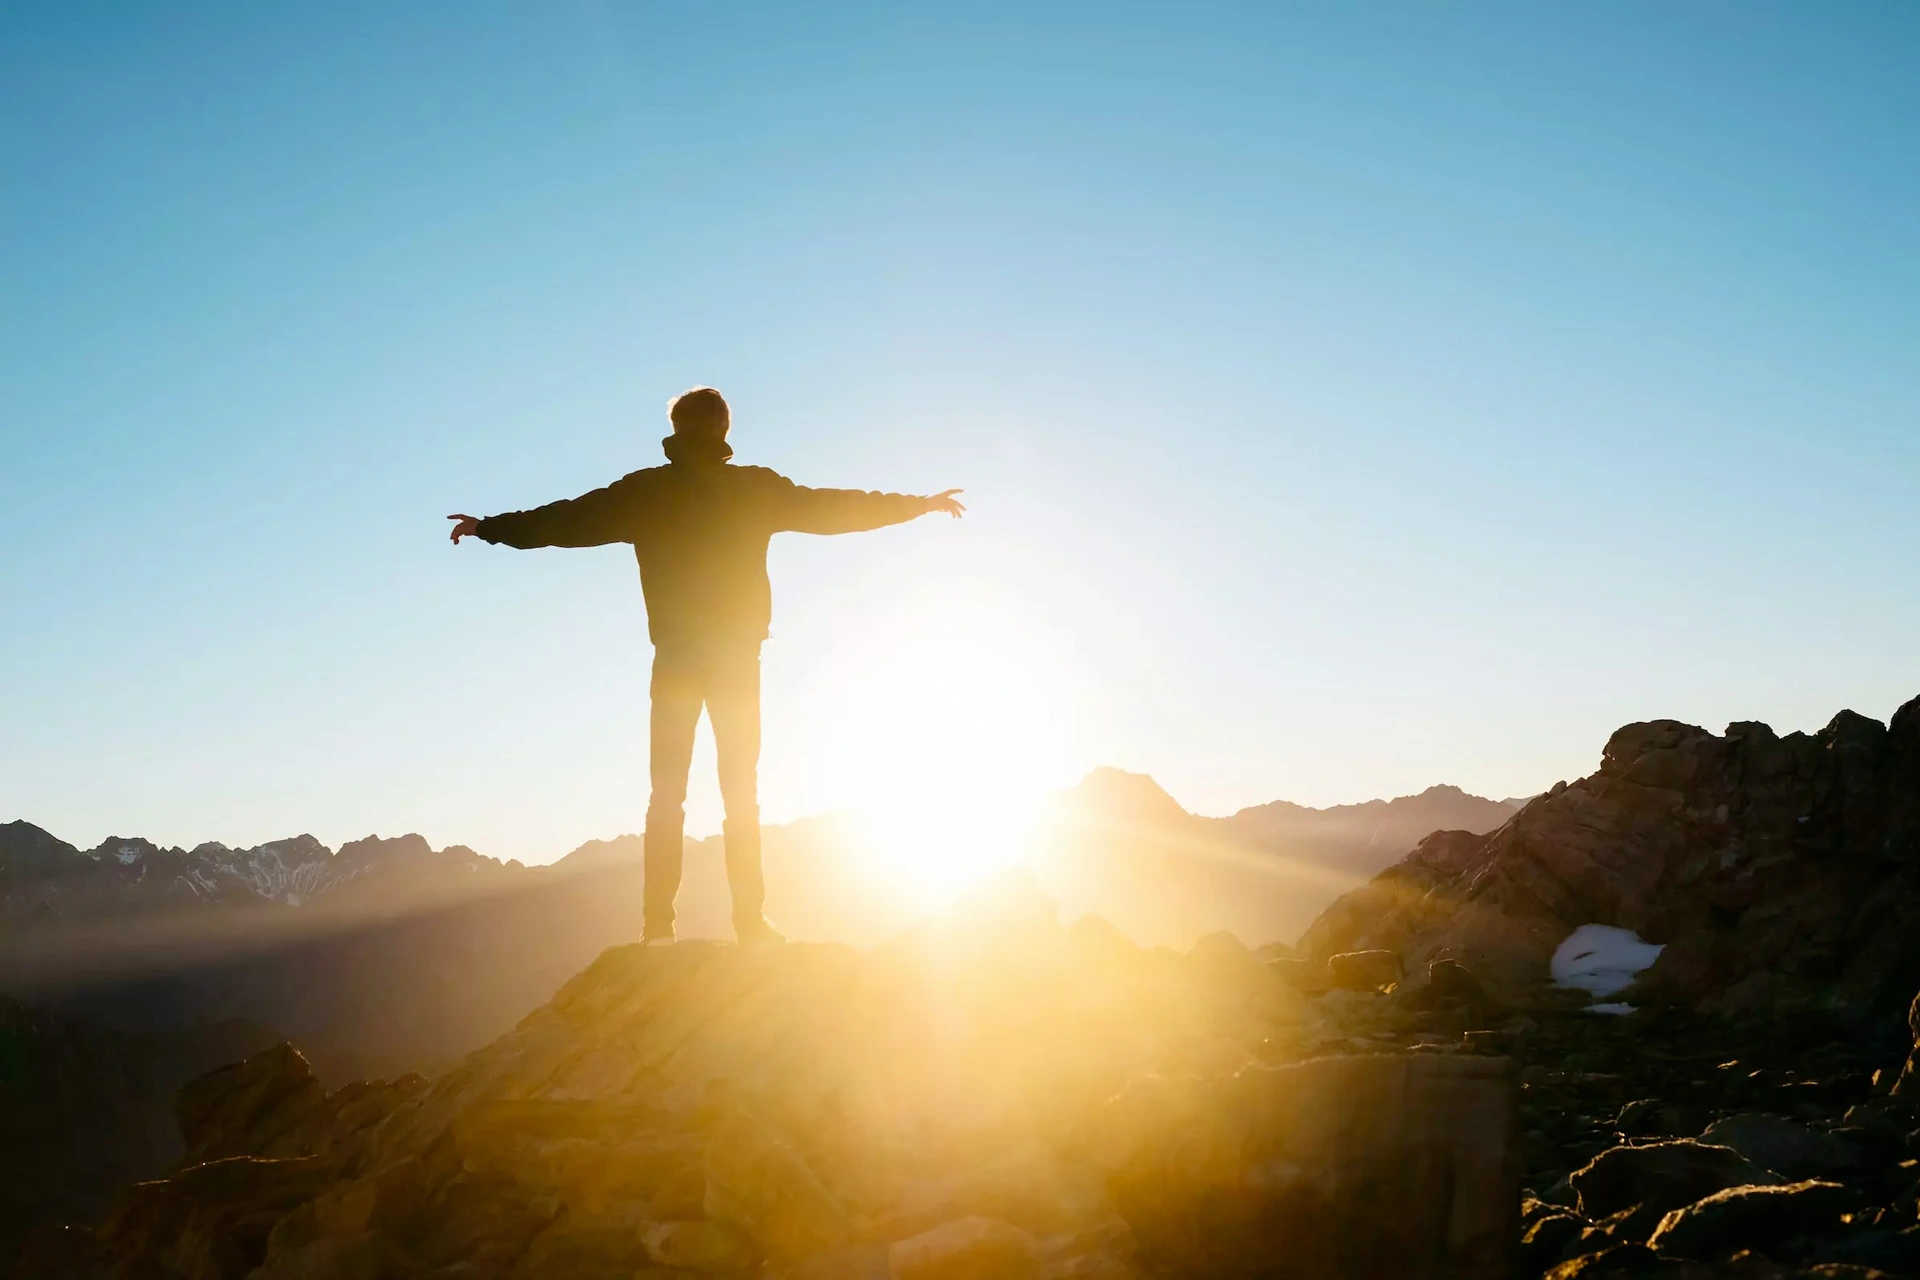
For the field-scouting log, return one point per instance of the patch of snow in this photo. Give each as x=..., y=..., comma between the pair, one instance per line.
x=1614, y=1007
x=128, y=854
x=1600, y=959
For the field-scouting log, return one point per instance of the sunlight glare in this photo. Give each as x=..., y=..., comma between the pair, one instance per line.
x=951, y=735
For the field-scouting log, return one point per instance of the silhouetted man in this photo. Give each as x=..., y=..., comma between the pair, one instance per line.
x=700, y=527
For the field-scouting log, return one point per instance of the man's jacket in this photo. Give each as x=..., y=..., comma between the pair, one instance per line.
x=700, y=532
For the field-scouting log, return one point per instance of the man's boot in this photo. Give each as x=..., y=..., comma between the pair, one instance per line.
x=744, y=880
x=665, y=846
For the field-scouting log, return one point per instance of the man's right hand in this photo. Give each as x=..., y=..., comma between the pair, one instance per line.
x=464, y=527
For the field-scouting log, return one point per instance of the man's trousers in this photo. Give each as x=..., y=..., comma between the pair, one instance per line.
x=725, y=679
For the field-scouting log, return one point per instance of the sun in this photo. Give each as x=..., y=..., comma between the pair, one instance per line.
x=953, y=731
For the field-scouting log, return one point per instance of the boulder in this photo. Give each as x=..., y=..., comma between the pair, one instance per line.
x=1103, y=1252
x=1907, y=1085
x=362, y=1257
x=1614, y=1260
x=479, y=1218
x=703, y=1245
x=1769, y=1219
x=1030, y=1187
x=1790, y=1149
x=856, y=1262
x=1371, y=1166
x=1652, y=1118
x=249, y=1107
x=1545, y=1242
x=1449, y=980
x=1302, y=975
x=973, y=1248
x=1363, y=970
x=1096, y=1266
x=211, y=1221
x=271, y=1105
x=763, y=1186
x=1629, y=1226
x=1884, y=1249
x=1661, y=1176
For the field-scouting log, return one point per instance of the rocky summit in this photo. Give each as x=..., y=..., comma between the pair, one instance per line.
x=990, y=1095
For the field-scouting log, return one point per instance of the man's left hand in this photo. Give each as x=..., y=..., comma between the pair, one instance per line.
x=948, y=503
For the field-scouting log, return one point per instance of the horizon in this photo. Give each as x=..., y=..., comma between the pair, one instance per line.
x=334, y=846
x=1343, y=401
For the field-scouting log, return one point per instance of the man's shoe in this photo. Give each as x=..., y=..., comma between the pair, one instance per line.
x=757, y=932
x=657, y=937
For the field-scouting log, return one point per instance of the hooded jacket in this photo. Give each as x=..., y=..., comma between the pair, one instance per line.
x=700, y=531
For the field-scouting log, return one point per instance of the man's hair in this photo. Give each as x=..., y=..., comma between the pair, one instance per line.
x=701, y=411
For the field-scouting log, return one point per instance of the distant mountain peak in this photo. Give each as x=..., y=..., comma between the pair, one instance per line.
x=1116, y=794
x=378, y=848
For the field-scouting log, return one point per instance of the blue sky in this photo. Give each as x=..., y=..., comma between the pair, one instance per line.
x=1349, y=398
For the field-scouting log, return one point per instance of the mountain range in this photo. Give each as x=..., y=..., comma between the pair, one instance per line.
x=388, y=955
x=991, y=1064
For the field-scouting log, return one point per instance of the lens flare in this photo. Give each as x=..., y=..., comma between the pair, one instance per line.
x=952, y=733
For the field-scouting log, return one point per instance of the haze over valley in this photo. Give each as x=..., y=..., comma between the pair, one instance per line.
x=389, y=953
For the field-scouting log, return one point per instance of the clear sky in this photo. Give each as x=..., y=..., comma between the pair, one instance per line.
x=1349, y=397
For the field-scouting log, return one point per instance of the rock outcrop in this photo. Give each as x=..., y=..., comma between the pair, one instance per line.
x=991, y=1095
x=1777, y=871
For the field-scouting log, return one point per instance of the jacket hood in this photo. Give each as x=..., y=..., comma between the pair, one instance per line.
x=696, y=450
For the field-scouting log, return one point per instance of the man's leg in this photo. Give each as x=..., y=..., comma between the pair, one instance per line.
x=733, y=705
x=674, y=716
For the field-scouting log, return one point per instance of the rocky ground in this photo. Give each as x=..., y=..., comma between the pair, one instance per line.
x=995, y=1095
x=1003, y=1097
x=1632, y=1125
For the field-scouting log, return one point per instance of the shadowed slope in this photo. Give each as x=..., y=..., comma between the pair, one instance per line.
x=84, y=1111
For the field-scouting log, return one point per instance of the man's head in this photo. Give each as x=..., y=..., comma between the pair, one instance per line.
x=700, y=422
x=699, y=412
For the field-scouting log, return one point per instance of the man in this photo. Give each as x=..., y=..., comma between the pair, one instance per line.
x=700, y=527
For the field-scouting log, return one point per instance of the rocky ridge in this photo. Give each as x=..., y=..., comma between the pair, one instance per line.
x=1774, y=870
x=43, y=877
x=988, y=1095
x=1750, y=1114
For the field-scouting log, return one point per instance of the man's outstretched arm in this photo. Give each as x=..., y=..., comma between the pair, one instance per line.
x=856, y=510
x=591, y=520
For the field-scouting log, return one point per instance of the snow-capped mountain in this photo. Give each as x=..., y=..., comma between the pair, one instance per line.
x=42, y=876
